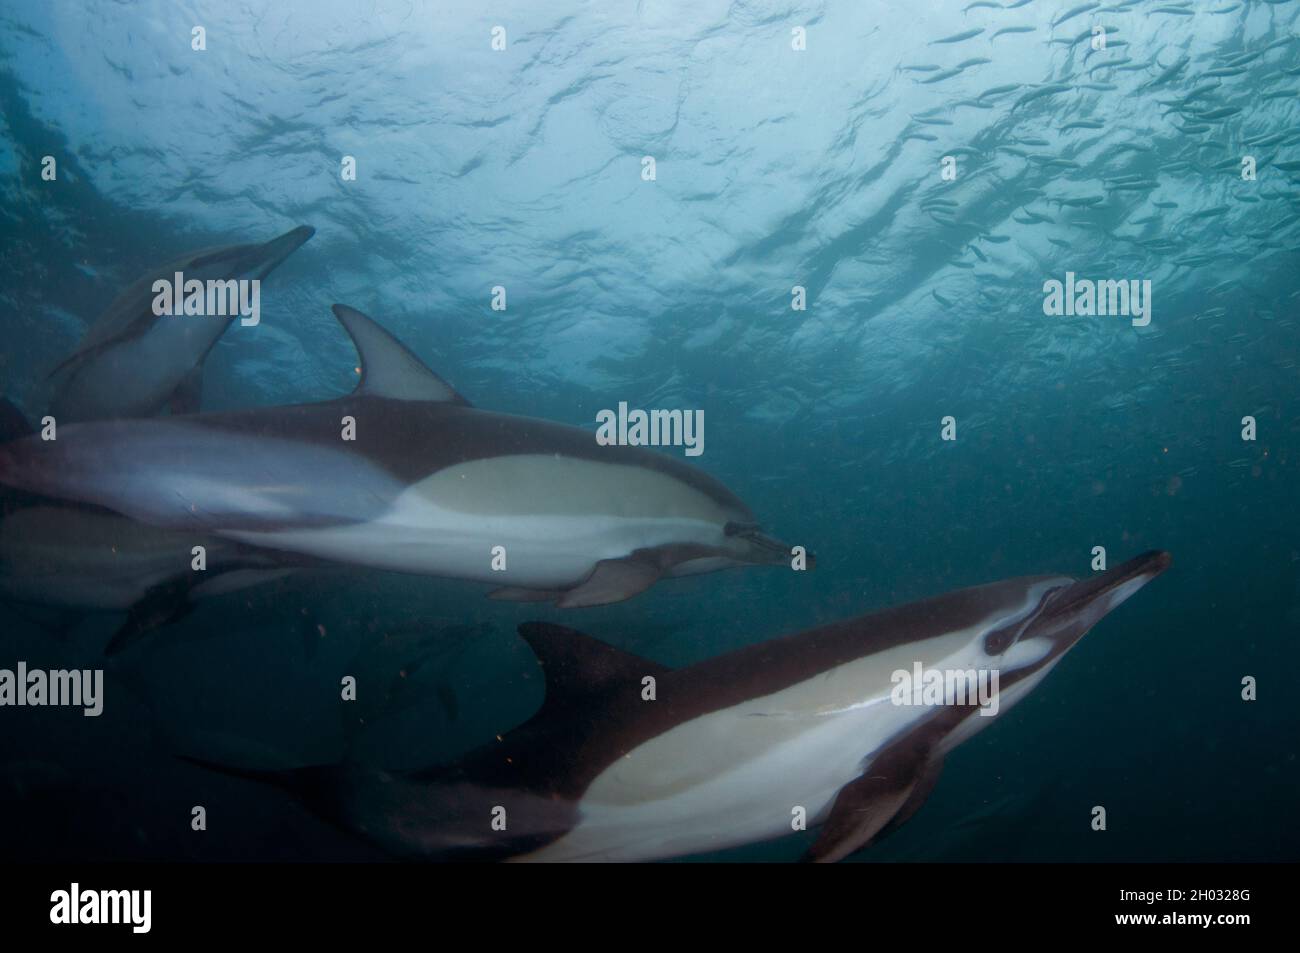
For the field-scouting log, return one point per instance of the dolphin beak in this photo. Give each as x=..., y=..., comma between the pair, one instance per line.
x=255, y=261
x=265, y=258
x=1076, y=608
x=767, y=550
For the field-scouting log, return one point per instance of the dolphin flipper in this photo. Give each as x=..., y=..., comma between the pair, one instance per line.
x=174, y=599
x=163, y=604
x=921, y=791
x=613, y=580
x=898, y=782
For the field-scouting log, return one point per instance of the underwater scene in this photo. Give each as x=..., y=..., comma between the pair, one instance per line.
x=741, y=431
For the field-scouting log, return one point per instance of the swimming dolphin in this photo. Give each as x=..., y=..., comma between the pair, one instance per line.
x=731, y=750
x=71, y=559
x=79, y=559
x=132, y=362
x=403, y=474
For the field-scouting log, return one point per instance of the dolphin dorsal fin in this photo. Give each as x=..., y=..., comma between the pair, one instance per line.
x=578, y=665
x=388, y=368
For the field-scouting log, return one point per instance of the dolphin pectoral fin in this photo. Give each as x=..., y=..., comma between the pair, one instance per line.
x=174, y=599
x=894, y=786
x=920, y=793
x=613, y=580
x=388, y=368
x=188, y=394
x=863, y=808
x=520, y=594
x=163, y=604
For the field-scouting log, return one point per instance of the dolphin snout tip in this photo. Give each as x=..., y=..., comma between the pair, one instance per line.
x=1110, y=589
x=293, y=239
x=1149, y=564
x=768, y=550
x=781, y=553
x=278, y=249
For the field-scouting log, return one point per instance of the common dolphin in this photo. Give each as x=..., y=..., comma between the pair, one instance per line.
x=76, y=559
x=81, y=559
x=403, y=474
x=132, y=362
x=628, y=760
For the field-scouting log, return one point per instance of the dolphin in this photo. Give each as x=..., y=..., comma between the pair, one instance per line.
x=80, y=559
x=403, y=474
x=132, y=362
x=73, y=559
x=629, y=760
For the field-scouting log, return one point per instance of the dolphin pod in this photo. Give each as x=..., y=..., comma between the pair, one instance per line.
x=729, y=748
x=131, y=362
x=404, y=474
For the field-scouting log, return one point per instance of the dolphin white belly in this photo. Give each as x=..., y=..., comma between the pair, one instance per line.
x=540, y=551
x=728, y=750
x=404, y=475
x=795, y=748
x=555, y=518
x=136, y=375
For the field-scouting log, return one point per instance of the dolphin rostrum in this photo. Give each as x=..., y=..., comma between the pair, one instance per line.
x=132, y=362
x=403, y=474
x=629, y=760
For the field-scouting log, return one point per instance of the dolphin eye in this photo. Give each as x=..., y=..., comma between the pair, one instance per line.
x=739, y=529
x=995, y=643
x=998, y=641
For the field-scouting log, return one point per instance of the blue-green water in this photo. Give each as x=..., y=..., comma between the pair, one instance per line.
x=775, y=167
